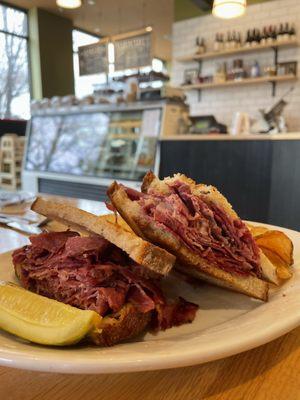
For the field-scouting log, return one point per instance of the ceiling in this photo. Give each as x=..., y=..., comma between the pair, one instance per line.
x=110, y=17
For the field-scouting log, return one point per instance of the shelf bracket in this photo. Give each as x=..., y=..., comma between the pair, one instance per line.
x=274, y=86
x=199, y=95
x=199, y=73
x=275, y=49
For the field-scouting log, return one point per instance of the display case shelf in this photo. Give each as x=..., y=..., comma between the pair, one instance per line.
x=125, y=124
x=126, y=169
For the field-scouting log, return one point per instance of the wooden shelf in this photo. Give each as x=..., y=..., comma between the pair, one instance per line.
x=125, y=124
x=228, y=52
x=132, y=136
x=246, y=81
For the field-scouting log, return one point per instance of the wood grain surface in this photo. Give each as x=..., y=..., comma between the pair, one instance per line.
x=269, y=372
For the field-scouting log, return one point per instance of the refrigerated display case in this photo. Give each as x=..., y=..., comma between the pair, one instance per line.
x=79, y=151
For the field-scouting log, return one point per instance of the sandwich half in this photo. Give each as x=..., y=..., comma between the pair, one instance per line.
x=105, y=269
x=197, y=225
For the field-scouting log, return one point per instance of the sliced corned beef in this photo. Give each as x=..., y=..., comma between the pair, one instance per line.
x=203, y=226
x=91, y=273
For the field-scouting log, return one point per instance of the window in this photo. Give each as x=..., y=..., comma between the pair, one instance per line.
x=14, y=81
x=84, y=85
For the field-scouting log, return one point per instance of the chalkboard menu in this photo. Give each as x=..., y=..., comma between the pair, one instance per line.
x=133, y=52
x=93, y=58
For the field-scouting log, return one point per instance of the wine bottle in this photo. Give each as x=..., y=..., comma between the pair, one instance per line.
x=239, y=39
x=248, y=39
x=258, y=36
x=270, y=35
x=253, y=38
x=228, y=41
x=221, y=43
x=280, y=34
x=286, y=35
x=234, y=40
x=264, y=36
x=202, y=46
x=274, y=33
x=293, y=32
x=216, y=43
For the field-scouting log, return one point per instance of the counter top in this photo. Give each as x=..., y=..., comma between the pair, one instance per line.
x=103, y=107
x=281, y=136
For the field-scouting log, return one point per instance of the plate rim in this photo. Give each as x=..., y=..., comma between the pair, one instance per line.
x=282, y=325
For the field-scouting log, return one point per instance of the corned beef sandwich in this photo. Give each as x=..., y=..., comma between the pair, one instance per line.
x=197, y=225
x=93, y=272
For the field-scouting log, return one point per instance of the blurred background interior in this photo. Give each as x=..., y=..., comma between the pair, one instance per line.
x=93, y=91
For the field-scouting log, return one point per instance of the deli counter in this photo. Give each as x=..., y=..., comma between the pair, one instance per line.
x=79, y=150
x=258, y=173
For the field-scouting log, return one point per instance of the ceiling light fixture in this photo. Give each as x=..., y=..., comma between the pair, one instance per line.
x=229, y=8
x=68, y=3
x=148, y=28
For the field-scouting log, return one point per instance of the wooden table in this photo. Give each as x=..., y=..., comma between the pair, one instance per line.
x=270, y=372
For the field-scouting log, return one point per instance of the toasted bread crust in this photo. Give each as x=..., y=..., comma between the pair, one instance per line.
x=188, y=261
x=141, y=251
x=125, y=325
x=211, y=193
x=150, y=181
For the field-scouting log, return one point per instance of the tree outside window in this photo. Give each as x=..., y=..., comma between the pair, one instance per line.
x=14, y=76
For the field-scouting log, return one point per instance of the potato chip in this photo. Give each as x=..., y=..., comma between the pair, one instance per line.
x=277, y=247
x=257, y=230
x=278, y=243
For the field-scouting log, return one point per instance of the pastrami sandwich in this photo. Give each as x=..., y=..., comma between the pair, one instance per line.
x=198, y=225
x=105, y=269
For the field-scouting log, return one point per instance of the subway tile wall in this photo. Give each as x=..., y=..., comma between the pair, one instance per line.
x=223, y=103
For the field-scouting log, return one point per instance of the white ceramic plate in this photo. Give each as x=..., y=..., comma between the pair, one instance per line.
x=227, y=323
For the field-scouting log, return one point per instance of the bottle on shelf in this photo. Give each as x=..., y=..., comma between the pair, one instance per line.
x=217, y=42
x=257, y=36
x=248, y=39
x=253, y=38
x=255, y=70
x=264, y=36
x=293, y=32
x=280, y=33
x=286, y=35
x=220, y=74
x=231, y=41
x=234, y=40
x=201, y=48
x=238, y=40
x=274, y=34
x=221, y=42
x=228, y=41
x=270, y=35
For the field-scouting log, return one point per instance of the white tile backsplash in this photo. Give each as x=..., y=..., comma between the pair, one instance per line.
x=224, y=102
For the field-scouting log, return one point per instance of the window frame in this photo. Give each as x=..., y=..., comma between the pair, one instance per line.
x=24, y=37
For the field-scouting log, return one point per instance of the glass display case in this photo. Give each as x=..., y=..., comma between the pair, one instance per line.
x=95, y=144
x=114, y=144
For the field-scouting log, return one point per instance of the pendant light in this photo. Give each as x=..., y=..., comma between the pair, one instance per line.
x=68, y=3
x=229, y=8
